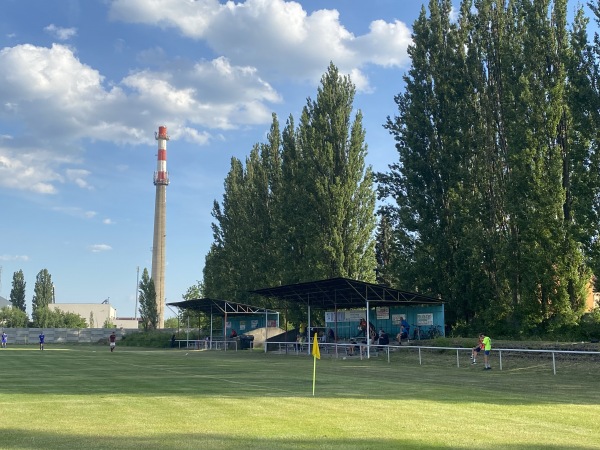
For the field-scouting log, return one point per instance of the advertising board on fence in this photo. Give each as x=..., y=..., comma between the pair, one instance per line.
x=397, y=318
x=345, y=316
x=382, y=312
x=425, y=319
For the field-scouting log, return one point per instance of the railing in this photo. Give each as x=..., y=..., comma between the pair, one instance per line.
x=203, y=344
x=364, y=351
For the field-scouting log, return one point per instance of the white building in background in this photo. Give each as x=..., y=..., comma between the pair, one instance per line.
x=95, y=314
x=127, y=322
x=98, y=313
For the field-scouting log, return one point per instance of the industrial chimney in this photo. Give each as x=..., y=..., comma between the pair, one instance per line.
x=161, y=180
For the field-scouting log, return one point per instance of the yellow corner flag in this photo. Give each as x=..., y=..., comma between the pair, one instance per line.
x=317, y=355
x=315, y=350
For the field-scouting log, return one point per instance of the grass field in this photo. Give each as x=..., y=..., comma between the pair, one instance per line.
x=85, y=397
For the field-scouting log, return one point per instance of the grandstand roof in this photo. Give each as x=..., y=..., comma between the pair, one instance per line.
x=219, y=307
x=345, y=293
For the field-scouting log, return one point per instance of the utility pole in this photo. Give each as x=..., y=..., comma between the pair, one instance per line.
x=137, y=290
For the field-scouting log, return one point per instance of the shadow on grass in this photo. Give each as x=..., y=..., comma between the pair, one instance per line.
x=26, y=439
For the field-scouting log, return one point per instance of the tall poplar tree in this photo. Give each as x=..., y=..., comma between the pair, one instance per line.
x=585, y=95
x=496, y=175
x=302, y=205
x=17, y=293
x=147, y=301
x=384, y=251
x=337, y=187
x=223, y=267
x=43, y=290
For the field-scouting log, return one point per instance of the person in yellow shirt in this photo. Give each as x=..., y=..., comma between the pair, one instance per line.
x=487, y=347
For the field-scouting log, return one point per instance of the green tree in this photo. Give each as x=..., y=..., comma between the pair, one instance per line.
x=17, y=293
x=584, y=94
x=72, y=320
x=245, y=227
x=147, y=300
x=338, y=189
x=302, y=205
x=172, y=322
x=498, y=169
x=43, y=291
x=13, y=317
x=384, y=251
x=431, y=183
x=220, y=270
x=195, y=319
x=44, y=317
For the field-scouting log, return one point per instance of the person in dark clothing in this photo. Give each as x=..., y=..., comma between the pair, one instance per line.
x=112, y=340
x=383, y=338
x=330, y=335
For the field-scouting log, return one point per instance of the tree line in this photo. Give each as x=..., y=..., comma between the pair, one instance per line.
x=301, y=208
x=44, y=317
x=492, y=204
x=494, y=200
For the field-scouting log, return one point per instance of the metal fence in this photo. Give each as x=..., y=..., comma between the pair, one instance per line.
x=500, y=358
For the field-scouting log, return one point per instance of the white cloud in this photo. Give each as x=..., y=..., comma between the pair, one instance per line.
x=59, y=101
x=108, y=222
x=14, y=258
x=193, y=135
x=37, y=170
x=209, y=93
x=51, y=93
x=55, y=94
x=75, y=212
x=97, y=248
x=32, y=170
x=276, y=36
x=360, y=81
x=192, y=17
x=383, y=43
x=60, y=33
x=77, y=176
x=50, y=89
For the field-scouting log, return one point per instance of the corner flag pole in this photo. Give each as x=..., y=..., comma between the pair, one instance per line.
x=317, y=355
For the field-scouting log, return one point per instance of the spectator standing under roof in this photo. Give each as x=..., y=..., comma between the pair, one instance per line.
x=362, y=328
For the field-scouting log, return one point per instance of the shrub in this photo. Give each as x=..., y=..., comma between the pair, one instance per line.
x=154, y=339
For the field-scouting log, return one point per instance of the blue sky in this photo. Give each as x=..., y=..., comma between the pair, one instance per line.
x=84, y=84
